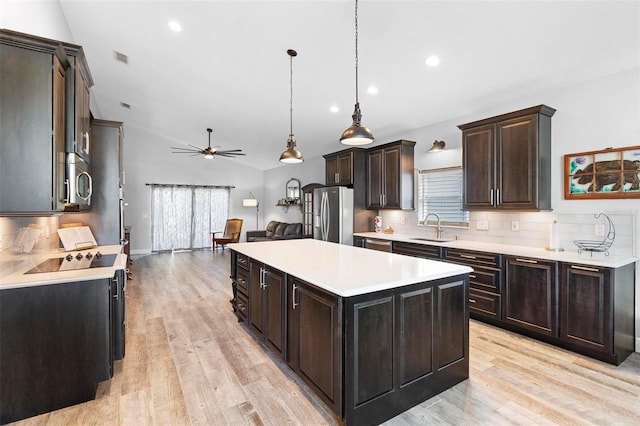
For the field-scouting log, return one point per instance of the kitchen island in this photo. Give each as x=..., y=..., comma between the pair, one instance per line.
x=372, y=334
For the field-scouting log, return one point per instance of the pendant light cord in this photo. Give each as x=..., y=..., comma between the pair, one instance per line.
x=356, y=19
x=291, y=94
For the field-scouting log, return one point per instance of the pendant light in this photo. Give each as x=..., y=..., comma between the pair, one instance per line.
x=356, y=134
x=291, y=155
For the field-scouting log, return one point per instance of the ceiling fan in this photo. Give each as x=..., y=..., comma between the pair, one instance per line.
x=208, y=152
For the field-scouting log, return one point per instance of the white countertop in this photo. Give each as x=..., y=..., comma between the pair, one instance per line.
x=346, y=270
x=22, y=263
x=585, y=258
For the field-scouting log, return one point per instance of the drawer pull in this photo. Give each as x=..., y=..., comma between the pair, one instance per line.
x=526, y=260
x=468, y=256
x=472, y=300
x=585, y=268
x=472, y=276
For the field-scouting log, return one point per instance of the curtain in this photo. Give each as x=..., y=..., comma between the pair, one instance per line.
x=183, y=216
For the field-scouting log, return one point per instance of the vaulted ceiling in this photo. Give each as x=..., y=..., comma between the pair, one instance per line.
x=228, y=68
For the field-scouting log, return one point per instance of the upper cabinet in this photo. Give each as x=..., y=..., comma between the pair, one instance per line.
x=507, y=161
x=390, y=176
x=341, y=167
x=79, y=82
x=33, y=73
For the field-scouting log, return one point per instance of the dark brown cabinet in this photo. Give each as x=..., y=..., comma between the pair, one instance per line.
x=340, y=167
x=423, y=251
x=79, y=82
x=531, y=295
x=33, y=74
x=390, y=176
x=597, y=310
x=266, y=290
x=314, y=339
x=507, y=161
x=396, y=350
x=485, y=282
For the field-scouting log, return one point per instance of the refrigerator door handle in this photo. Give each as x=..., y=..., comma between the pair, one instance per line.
x=323, y=216
x=328, y=215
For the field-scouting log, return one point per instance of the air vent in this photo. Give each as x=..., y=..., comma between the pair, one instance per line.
x=125, y=105
x=121, y=57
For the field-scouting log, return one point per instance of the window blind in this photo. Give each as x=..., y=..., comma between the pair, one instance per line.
x=440, y=192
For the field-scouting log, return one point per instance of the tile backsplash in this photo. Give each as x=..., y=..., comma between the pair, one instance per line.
x=28, y=234
x=532, y=228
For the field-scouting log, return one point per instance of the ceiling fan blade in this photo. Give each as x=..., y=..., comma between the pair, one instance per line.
x=196, y=147
x=185, y=152
x=232, y=152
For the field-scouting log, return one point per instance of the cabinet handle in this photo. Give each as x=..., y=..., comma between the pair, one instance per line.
x=491, y=196
x=526, y=260
x=293, y=297
x=472, y=276
x=585, y=268
x=468, y=256
x=115, y=283
x=336, y=178
x=472, y=300
x=67, y=191
x=262, y=278
x=498, y=202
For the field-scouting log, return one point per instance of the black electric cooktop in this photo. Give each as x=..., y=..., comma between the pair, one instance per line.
x=71, y=263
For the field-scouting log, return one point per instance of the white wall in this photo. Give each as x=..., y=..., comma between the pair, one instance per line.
x=41, y=18
x=148, y=159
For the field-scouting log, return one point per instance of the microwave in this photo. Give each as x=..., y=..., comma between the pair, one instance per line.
x=79, y=184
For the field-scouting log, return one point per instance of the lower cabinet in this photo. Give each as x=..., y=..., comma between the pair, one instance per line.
x=531, y=295
x=423, y=251
x=597, y=310
x=55, y=346
x=314, y=340
x=266, y=304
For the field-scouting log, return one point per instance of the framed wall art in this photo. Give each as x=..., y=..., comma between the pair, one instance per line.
x=609, y=173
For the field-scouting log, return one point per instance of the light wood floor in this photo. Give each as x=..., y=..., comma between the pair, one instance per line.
x=188, y=361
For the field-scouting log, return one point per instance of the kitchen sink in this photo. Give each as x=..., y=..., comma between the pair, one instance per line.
x=434, y=240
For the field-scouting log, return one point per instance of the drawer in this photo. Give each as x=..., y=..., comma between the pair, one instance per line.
x=485, y=279
x=491, y=260
x=242, y=307
x=242, y=261
x=242, y=281
x=484, y=303
x=417, y=250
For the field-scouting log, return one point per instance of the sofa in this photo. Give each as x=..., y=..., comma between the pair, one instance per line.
x=276, y=231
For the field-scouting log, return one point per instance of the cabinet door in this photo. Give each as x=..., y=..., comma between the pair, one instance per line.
x=517, y=159
x=531, y=295
x=315, y=347
x=478, y=153
x=255, y=297
x=32, y=136
x=331, y=170
x=391, y=191
x=375, y=178
x=274, y=310
x=345, y=168
x=586, y=314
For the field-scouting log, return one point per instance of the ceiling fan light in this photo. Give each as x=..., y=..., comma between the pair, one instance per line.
x=209, y=155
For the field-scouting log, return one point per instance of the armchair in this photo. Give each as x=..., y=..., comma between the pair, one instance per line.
x=231, y=234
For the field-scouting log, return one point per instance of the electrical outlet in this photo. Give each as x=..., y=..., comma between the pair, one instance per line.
x=515, y=225
x=599, y=231
x=482, y=225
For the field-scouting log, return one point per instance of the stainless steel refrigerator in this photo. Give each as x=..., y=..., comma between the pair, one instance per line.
x=333, y=214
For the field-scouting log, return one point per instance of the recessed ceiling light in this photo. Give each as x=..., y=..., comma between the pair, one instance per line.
x=175, y=26
x=432, y=61
x=334, y=109
x=372, y=90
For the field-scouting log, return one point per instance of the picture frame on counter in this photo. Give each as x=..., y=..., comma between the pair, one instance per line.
x=607, y=173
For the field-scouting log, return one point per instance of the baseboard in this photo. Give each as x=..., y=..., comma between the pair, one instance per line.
x=140, y=252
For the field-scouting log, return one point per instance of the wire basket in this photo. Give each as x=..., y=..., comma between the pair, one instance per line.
x=595, y=245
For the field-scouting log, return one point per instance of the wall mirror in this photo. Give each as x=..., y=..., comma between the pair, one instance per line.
x=293, y=191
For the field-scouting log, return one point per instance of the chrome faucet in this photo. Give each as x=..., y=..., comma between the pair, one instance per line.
x=438, y=226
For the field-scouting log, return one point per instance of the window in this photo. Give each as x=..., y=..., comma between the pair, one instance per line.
x=440, y=192
x=183, y=216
